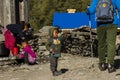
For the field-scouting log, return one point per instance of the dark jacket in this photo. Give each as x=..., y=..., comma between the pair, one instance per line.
x=16, y=30
x=54, y=44
x=116, y=4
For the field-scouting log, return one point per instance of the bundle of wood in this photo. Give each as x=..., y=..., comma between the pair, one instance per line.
x=79, y=41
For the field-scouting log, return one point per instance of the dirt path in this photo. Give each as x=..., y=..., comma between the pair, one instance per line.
x=76, y=67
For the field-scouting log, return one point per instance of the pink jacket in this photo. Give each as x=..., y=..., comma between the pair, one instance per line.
x=31, y=54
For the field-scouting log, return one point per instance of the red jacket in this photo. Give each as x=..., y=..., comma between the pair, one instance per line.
x=9, y=40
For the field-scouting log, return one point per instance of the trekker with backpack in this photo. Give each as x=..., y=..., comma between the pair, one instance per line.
x=107, y=20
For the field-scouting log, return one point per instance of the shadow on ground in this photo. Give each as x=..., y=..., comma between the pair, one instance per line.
x=64, y=70
x=117, y=63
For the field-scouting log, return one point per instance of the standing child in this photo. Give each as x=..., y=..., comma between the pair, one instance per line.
x=54, y=47
x=27, y=53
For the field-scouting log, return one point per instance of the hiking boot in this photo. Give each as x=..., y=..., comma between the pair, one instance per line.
x=111, y=68
x=56, y=73
x=102, y=66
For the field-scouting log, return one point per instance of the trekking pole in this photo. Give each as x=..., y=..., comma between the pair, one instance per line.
x=118, y=29
x=91, y=41
x=118, y=18
x=117, y=14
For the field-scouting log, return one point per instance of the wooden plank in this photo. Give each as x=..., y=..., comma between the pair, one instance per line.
x=7, y=58
x=1, y=12
x=12, y=8
x=21, y=9
x=7, y=12
x=24, y=10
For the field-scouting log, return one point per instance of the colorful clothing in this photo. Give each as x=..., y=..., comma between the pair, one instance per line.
x=30, y=52
x=54, y=47
x=9, y=39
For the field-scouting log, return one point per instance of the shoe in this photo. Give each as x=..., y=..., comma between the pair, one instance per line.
x=60, y=72
x=56, y=73
x=102, y=66
x=111, y=68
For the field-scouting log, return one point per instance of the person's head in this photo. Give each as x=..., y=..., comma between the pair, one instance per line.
x=55, y=33
x=24, y=43
x=28, y=25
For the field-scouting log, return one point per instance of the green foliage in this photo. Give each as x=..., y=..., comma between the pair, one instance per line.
x=41, y=11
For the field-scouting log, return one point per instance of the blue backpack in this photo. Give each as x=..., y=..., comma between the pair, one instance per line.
x=104, y=11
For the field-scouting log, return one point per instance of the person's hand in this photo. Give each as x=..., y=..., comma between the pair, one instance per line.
x=87, y=10
x=52, y=51
x=23, y=38
x=18, y=45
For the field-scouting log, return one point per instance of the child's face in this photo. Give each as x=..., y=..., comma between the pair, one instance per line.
x=25, y=28
x=24, y=44
x=55, y=33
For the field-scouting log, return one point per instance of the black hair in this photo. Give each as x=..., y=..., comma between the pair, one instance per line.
x=57, y=28
x=22, y=41
x=28, y=25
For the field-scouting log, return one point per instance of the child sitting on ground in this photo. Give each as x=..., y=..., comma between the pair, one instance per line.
x=27, y=54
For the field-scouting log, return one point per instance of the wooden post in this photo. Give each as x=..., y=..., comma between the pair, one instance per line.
x=13, y=15
x=7, y=12
x=1, y=13
x=21, y=9
x=24, y=10
x=11, y=11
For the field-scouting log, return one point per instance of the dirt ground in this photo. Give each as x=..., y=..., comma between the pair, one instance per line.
x=74, y=67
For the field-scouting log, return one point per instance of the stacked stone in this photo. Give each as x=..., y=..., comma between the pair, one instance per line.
x=79, y=42
x=38, y=44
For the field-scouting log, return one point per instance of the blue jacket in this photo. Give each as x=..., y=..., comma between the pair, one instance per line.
x=116, y=4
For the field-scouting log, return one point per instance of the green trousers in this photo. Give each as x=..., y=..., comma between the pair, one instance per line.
x=106, y=43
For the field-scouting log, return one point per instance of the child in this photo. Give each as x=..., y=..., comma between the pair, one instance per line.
x=27, y=53
x=54, y=47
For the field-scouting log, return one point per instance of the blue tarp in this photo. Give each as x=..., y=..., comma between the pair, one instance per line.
x=70, y=20
x=74, y=20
